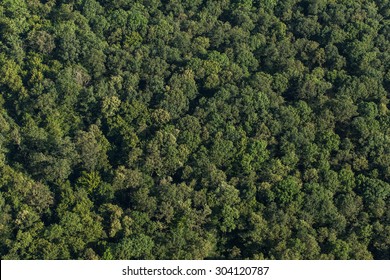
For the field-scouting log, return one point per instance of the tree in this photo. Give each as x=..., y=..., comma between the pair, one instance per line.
x=92, y=147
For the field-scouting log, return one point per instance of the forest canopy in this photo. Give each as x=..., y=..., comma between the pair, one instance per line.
x=194, y=129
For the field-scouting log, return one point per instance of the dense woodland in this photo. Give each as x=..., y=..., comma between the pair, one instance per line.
x=194, y=129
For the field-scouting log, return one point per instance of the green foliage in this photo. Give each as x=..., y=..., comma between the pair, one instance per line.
x=194, y=129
